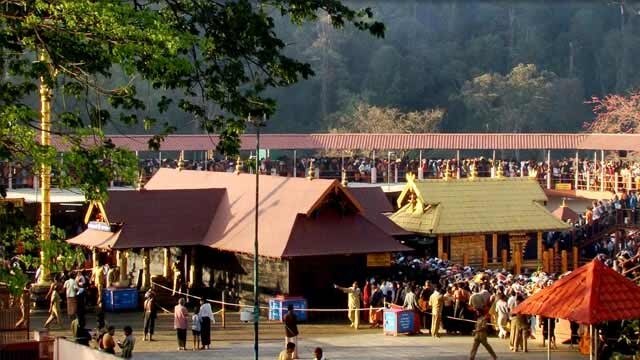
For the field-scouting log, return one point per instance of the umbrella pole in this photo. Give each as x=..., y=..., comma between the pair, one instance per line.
x=595, y=342
x=591, y=343
x=548, y=338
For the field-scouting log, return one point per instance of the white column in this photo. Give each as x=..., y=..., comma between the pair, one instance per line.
x=576, y=170
x=457, y=164
x=602, y=177
x=420, y=170
x=395, y=173
x=549, y=169
x=294, y=163
x=10, y=176
x=374, y=169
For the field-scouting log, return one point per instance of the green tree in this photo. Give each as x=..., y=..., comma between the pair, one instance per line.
x=524, y=100
x=219, y=56
x=365, y=118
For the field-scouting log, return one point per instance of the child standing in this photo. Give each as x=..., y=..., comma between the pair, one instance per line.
x=195, y=329
x=128, y=343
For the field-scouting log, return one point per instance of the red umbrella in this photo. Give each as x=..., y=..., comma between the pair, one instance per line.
x=592, y=294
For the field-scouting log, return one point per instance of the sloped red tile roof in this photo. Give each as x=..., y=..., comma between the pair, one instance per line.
x=375, y=204
x=282, y=200
x=329, y=233
x=589, y=295
x=442, y=141
x=565, y=213
x=156, y=218
x=95, y=238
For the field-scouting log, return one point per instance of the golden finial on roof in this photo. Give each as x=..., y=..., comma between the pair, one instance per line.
x=238, y=166
x=140, y=181
x=312, y=172
x=181, y=161
x=499, y=170
x=344, y=182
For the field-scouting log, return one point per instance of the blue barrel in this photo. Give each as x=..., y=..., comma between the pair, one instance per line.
x=114, y=299
x=279, y=304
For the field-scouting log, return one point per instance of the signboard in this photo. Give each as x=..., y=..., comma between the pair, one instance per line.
x=379, y=260
x=398, y=322
x=100, y=226
x=17, y=202
x=563, y=186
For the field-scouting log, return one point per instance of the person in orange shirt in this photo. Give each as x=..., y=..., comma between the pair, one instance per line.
x=588, y=216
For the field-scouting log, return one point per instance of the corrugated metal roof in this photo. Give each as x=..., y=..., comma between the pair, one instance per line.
x=440, y=141
x=591, y=294
x=483, y=205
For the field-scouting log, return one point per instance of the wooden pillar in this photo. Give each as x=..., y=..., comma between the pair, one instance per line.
x=505, y=258
x=556, y=247
x=564, y=261
x=485, y=258
x=552, y=260
x=540, y=245
x=545, y=261
x=146, y=268
x=465, y=259
x=494, y=248
x=94, y=257
x=122, y=266
x=588, y=180
x=445, y=256
x=440, y=246
x=166, y=269
x=576, y=258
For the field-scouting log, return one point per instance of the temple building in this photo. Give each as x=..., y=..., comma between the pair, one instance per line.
x=479, y=221
x=310, y=232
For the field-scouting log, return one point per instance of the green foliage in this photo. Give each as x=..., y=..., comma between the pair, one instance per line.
x=16, y=232
x=97, y=55
x=14, y=278
x=521, y=101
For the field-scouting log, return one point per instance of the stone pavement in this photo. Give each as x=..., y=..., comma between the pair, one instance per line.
x=368, y=346
x=337, y=339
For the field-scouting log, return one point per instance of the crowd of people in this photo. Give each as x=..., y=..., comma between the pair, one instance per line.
x=591, y=174
x=451, y=299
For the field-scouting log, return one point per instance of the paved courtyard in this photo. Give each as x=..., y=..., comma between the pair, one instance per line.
x=338, y=341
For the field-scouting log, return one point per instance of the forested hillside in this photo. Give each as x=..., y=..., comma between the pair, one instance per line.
x=490, y=65
x=460, y=65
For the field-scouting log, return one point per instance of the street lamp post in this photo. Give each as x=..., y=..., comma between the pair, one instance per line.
x=256, y=290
